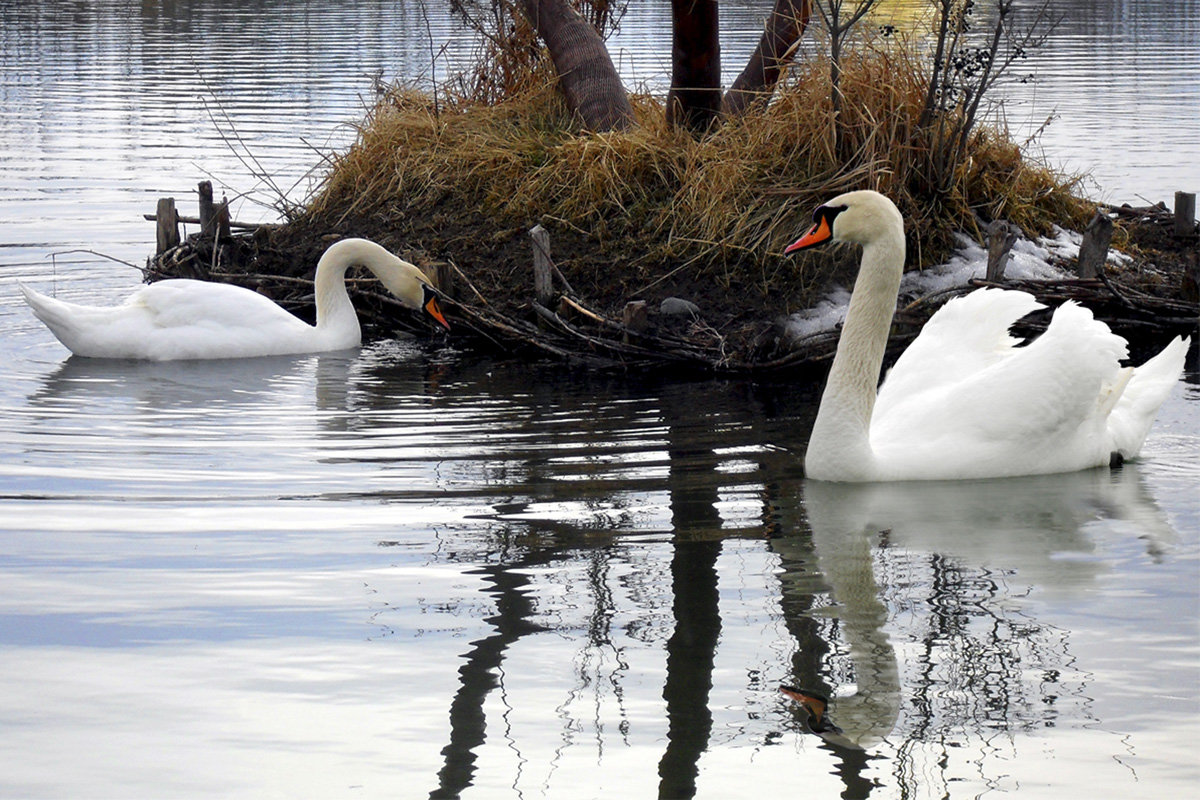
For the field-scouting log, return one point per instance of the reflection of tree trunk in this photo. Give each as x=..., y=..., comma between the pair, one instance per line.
x=478, y=678
x=757, y=81
x=690, y=654
x=695, y=97
x=693, y=482
x=586, y=75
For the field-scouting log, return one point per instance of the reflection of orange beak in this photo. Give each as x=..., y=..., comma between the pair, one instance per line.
x=815, y=706
x=433, y=310
x=819, y=233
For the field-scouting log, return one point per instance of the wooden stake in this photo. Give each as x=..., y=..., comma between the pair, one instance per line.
x=1001, y=237
x=167, y=229
x=1093, y=250
x=1189, y=288
x=222, y=213
x=543, y=274
x=1185, y=213
x=207, y=209
x=635, y=317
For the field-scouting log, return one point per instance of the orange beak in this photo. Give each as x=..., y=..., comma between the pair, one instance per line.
x=433, y=310
x=821, y=232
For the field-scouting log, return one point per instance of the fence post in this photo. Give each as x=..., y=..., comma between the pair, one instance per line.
x=167, y=227
x=1093, y=250
x=1185, y=213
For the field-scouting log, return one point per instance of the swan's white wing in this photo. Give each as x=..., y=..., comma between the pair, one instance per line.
x=181, y=303
x=199, y=319
x=1038, y=408
x=965, y=336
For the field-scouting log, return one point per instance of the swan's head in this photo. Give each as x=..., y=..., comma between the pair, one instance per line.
x=410, y=286
x=861, y=217
x=403, y=280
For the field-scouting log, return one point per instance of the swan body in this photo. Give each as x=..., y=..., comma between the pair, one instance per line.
x=964, y=400
x=181, y=319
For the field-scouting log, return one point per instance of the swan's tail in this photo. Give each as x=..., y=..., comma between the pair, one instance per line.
x=60, y=317
x=54, y=313
x=1148, y=388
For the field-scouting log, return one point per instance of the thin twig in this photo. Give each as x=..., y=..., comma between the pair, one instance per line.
x=462, y=275
x=94, y=253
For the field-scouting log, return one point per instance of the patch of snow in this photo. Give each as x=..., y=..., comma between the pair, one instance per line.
x=1035, y=262
x=968, y=261
x=1063, y=244
x=1028, y=260
x=826, y=315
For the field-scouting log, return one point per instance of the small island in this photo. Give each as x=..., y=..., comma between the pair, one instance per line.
x=621, y=229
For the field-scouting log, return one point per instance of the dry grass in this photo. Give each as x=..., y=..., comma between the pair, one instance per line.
x=676, y=212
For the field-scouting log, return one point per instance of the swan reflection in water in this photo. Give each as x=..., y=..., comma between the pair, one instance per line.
x=324, y=382
x=873, y=544
x=185, y=385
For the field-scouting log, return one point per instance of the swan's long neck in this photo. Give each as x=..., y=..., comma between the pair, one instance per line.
x=334, y=309
x=840, y=447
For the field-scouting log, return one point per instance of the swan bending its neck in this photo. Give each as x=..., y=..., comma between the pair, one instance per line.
x=188, y=319
x=335, y=314
x=963, y=401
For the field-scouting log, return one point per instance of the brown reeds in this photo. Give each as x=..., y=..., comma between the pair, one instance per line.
x=653, y=211
x=653, y=201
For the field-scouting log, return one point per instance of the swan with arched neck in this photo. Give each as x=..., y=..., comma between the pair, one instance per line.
x=964, y=400
x=181, y=319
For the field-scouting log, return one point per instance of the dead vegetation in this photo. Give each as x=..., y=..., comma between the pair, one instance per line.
x=653, y=211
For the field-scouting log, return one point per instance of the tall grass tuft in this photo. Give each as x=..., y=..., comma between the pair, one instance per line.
x=653, y=209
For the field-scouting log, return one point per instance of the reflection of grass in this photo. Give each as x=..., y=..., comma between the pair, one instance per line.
x=724, y=204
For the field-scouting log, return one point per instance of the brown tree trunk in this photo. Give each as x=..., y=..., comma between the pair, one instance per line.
x=586, y=75
x=694, y=100
x=756, y=84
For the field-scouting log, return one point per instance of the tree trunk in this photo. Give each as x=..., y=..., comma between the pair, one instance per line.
x=694, y=100
x=586, y=75
x=756, y=84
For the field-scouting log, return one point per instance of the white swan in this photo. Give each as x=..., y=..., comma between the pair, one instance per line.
x=964, y=401
x=188, y=319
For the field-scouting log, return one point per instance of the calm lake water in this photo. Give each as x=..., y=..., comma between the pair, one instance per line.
x=408, y=571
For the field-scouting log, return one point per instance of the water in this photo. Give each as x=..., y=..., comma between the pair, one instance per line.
x=409, y=571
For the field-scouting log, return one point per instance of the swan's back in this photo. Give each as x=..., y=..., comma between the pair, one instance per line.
x=966, y=401
x=175, y=319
